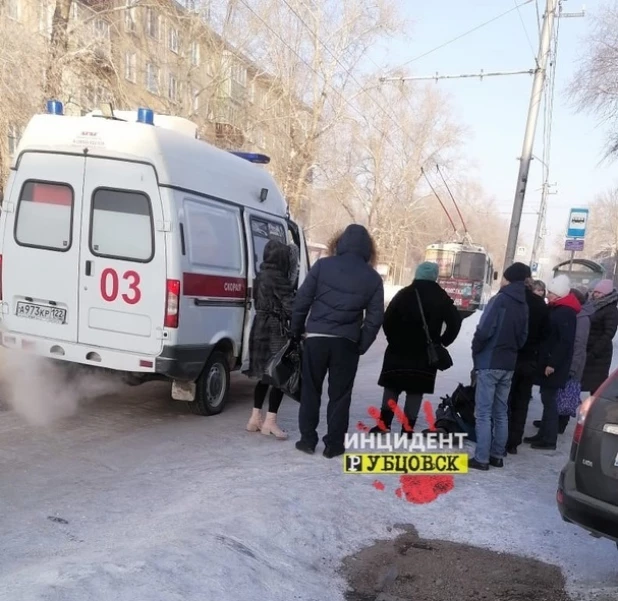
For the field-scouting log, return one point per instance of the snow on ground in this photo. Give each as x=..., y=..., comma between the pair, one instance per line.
x=162, y=505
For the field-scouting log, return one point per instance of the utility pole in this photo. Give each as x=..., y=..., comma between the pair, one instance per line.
x=533, y=114
x=540, y=224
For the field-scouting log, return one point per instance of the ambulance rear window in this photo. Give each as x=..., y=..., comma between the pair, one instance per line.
x=122, y=225
x=45, y=216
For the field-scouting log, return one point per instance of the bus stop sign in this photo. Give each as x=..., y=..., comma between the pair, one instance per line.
x=578, y=220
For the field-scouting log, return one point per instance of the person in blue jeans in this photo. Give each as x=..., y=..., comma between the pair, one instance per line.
x=501, y=333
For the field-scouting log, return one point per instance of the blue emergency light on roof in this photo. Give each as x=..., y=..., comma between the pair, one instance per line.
x=54, y=107
x=145, y=116
x=253, y=157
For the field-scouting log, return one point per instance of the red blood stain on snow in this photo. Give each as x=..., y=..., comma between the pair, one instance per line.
x=425, y=488
x=414, y=489
x=362, y=427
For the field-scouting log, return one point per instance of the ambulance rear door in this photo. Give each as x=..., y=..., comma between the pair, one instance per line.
x=41, y=239
x=122, y=272
x=260, y=228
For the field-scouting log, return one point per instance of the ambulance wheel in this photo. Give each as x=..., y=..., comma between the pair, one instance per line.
x=212, y=387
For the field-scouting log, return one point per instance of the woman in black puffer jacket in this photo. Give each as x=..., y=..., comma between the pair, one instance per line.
x=603, y=325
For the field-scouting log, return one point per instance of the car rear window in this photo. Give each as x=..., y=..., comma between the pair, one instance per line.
x=45, y=216
x=122, y=225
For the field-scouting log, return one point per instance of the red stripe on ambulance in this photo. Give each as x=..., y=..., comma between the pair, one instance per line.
x=213, y=286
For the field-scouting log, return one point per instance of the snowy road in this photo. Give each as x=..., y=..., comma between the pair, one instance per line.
x=156, y=504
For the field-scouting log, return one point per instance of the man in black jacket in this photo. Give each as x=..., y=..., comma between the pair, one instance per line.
x=527, y=367
x=344, y=298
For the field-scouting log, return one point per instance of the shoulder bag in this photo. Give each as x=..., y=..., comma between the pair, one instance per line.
x=437, y=355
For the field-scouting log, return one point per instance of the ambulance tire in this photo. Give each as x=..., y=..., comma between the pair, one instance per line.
x=212, y=387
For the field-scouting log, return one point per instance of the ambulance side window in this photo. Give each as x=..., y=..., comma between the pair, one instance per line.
x=263, y=230
x=121, y=226
x=213, y=232
x=45, y=216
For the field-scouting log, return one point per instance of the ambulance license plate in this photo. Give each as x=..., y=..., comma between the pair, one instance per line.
x=41, y=312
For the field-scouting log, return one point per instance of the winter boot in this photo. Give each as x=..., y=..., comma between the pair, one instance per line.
x=270, y=427
x=255, y=421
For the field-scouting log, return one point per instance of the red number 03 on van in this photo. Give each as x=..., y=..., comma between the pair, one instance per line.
x=110, y=286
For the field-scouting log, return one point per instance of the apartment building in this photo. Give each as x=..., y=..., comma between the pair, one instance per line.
x=160, y=54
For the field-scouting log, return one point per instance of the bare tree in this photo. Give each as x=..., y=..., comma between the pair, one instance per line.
x=594, y=87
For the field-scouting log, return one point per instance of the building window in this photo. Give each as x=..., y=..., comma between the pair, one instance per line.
x=14, y=9
x=153, y=24
x=46, y=17
x=196, y=100
x=152, y=78
x=238, y=73
x=172, y=88
x=14, y=135
x=252, y=92
x=173, y=40
x=101, y=28
x=195, y=54
x=130, y=66
x=130, y=15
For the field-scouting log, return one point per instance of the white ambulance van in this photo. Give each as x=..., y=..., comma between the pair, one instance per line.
x=129, y=245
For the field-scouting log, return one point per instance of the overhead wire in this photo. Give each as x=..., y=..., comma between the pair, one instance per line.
x=439, y=199
x=352, y=77
x=327, y=83
x=379, y=105
x=453, y=199
x=466, y=33
x=538, y=15
x=523, y=24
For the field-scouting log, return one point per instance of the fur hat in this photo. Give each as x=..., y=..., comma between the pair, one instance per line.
x=560, y=286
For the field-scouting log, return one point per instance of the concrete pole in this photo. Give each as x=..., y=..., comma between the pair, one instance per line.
x=540, y=225
x=533, y=113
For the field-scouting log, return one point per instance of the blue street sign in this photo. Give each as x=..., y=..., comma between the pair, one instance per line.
x=578, y=220
x=574, y=244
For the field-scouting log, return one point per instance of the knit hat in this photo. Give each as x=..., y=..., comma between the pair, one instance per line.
x=560, y=286
x=427, y=271
x=605, y=287
x=517, y=272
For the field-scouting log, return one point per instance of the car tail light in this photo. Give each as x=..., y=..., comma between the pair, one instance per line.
x=560, y=496
x=582, y=414
x=172, y=303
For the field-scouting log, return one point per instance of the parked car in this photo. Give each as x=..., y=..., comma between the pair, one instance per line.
x=588, y=485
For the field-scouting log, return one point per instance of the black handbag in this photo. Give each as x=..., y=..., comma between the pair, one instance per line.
x=437, y=355
x=284, y=370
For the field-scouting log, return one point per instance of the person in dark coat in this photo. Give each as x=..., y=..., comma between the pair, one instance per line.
x=501, y=333
x=405, y=366
x=343, y=297
x=582, y=331
x=555, y=358
x=274, y=298
x=527, y=367
x=603, y=324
